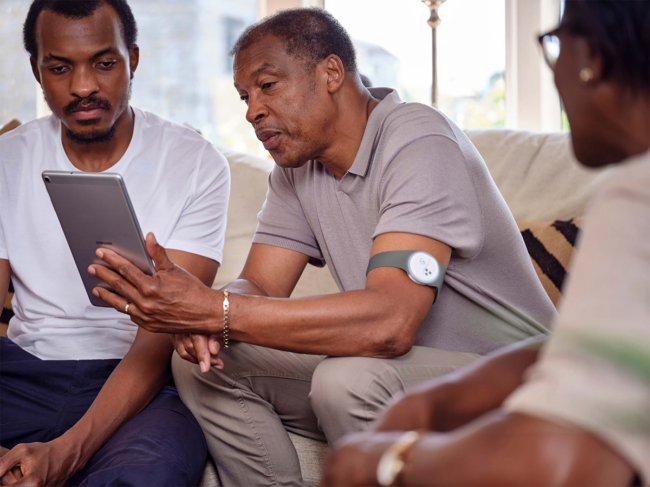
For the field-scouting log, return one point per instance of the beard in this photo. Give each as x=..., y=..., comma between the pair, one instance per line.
x=93, y=136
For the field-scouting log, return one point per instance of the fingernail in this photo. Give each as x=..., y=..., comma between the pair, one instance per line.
x=100, y=254
x=203, y=368
x=91, y=271
x=96, y=292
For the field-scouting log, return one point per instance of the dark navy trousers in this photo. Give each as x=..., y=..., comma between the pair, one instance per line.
x=41, y=399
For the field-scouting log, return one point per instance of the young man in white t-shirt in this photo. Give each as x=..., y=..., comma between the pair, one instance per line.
x=82, y=388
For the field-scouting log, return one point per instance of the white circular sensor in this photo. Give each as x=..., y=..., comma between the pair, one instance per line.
x=423, y=268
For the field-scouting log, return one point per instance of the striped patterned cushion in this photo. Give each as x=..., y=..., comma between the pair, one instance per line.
x=551, y=246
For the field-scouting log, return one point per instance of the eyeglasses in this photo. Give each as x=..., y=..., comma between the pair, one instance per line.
x=550, y=43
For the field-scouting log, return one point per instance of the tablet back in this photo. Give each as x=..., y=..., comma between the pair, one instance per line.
x=95, y=211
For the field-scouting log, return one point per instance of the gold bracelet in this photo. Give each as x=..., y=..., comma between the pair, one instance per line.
x=392, y=461
x=226, y=318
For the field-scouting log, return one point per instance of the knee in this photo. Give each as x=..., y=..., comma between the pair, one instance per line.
x=341, y=385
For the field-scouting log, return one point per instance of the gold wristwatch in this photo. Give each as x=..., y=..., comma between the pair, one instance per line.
x=392, y=462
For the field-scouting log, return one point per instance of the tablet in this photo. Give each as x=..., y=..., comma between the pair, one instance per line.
x=95, y=211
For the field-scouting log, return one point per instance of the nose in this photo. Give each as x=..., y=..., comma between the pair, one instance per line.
x=83, y=82
x=256, y=110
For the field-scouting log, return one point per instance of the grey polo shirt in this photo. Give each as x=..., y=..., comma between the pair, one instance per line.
x=416, y=172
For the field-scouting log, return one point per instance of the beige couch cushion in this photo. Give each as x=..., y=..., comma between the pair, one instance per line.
x=537, y=173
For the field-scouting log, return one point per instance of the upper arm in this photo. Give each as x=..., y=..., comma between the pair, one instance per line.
x=409, y=301
x=5, y=276
x=282, y=221
x=427, y=189
x=275, y=270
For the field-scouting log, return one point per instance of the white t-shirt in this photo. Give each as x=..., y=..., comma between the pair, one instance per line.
x=179, y=185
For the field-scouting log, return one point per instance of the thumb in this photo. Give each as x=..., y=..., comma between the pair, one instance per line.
x=158, y=254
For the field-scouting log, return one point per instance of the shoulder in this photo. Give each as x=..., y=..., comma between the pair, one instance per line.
x=410, y=122
x=180, y=143
x=28, y=134
x=154, y=126
x=629, y=181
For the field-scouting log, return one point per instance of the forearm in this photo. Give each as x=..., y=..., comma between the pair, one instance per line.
x=134, y=383
x=5, y=276
x=353, y=323
x=513, y=450
x=482, y=386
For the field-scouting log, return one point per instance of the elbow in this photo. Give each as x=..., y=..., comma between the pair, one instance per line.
x=394, y=339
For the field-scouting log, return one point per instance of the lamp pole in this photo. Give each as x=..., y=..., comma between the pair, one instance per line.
x=434, y=22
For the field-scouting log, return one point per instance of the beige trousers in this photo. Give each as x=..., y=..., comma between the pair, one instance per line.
x=246, y=409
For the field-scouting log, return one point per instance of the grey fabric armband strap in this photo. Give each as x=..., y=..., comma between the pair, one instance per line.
x=400, y=260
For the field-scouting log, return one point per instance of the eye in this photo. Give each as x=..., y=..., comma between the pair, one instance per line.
x=106, y=64
x=58, y=69
x=244, y=98
x=266, y=86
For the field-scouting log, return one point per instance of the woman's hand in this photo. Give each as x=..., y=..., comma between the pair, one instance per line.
x=355, y=458
x=170, y=301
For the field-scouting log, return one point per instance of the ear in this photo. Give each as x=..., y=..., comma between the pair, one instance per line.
x=335, y=73
x=35, y=71
x=588, y=61
x=134, y=59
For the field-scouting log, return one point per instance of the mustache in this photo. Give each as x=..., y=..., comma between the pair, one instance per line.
x=91, y=101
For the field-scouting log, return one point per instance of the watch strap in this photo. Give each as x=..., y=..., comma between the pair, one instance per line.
x=399, y=259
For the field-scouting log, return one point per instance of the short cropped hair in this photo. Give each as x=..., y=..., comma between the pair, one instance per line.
x=309, y=34
x=619, y=32
x=77, y=9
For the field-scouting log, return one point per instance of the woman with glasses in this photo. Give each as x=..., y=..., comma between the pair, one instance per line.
x=578, y=413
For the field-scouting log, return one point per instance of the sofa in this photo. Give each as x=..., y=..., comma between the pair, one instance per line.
x=544, y=187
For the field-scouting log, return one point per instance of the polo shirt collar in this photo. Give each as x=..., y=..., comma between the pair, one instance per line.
x=389, y=100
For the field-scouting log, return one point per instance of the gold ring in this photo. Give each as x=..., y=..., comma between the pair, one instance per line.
x=126, y=308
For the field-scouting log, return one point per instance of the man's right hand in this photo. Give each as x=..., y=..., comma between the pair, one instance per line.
x=198, y=349
x=14, y=475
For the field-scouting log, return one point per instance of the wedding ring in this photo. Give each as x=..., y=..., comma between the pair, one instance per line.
x=126, y=308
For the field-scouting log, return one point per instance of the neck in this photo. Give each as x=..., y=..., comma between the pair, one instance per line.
x=101, y=156
x=627, y=127
x=354, y=108
x=637, y=128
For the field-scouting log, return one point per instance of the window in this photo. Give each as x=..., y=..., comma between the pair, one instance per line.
x=471, y=51
x=185, y=72
x=18, y=90
x=393, y=44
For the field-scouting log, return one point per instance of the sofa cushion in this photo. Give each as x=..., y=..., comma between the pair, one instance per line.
x=551, y=247
x=537, y=173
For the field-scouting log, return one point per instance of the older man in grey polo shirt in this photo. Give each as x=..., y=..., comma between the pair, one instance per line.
x=358, y=173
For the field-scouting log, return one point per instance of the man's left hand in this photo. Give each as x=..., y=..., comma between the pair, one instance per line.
x=170, y=301
x=40, y=464
x=354, y=459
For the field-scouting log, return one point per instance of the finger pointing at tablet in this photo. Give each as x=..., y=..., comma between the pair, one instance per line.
x=170, y=301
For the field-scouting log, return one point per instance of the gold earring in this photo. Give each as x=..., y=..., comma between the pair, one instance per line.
x=586, y=75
